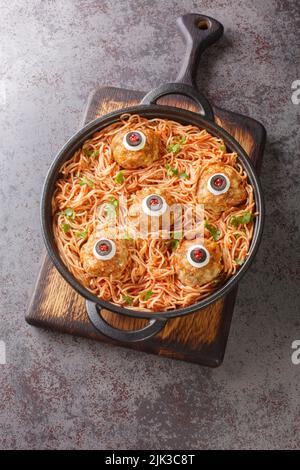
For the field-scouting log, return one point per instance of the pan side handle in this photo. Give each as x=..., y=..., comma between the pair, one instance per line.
x=128, y=336
x=180, y=89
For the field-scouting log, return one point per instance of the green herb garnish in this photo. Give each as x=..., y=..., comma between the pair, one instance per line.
x=171, y=171
x=91, y=152
x=119, y=177
x=111, y=207
x=215, y=233
x=176, y=147
x=128, y=237
x=112, y=200
x=68, y=212
x=178, y=235
x=174, y=243
x=128, y=299
x=239, y=261
x=86, y=181
x=81, y=234
x=222, y=148
x=147, y=294
x=65, y=227
x=241, y=219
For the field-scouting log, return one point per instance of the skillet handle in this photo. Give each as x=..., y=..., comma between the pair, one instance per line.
x=128, y=336
x=199, y=32
x=180, y=89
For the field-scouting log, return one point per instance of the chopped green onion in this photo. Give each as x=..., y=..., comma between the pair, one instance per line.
x=65, y=227
x=215, y=233
x=91, y=152
x=241, y=219
x=69, y=213
x=81, y=234
x=112, y=200
x=111, y=207
x=127, y=236
x=86, y=181
x=178, y=235
x=119, y=177
x=128, y=299
x=239, y=261
x=176, y=147
x=171, y=171
x=147, y=294
x=174, y=243
x=222, y=148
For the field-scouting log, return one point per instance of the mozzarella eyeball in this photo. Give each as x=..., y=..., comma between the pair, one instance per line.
x=198, y=256
x=104, y=249
x=218, y=184
x=154, y=205
x=134, y=140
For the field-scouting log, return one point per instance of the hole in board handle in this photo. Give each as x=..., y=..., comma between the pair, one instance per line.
x=203, y=24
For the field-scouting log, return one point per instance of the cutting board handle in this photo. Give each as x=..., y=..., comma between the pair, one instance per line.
x=199, y=32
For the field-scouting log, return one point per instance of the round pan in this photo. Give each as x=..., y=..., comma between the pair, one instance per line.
x=197, y=40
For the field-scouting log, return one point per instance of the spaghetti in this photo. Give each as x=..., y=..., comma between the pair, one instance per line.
x=92, y=177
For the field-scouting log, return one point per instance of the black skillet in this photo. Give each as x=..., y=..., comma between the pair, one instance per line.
x=199, y=32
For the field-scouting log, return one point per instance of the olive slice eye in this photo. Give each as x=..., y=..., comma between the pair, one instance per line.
x=154, y=205
x=104, y=249
x=218, y=184
x=134, y=140
x=198, y=256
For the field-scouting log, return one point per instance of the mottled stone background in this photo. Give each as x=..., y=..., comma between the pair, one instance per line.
x=63, y=392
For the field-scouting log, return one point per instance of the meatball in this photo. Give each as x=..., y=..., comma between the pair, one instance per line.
x=191, y=275
x=114, y=254
x=135, y=149
x=150, y=211
x=221, y=187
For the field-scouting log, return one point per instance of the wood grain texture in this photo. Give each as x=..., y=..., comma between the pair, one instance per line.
x=200, y=337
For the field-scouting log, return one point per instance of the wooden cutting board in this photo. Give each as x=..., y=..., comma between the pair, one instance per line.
x=200, y=337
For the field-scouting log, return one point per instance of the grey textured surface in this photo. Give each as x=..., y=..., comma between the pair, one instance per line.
x=62, y=392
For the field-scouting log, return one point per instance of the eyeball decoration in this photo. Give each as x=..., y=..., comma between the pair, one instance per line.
x=218, y=184
x=104, y=249
x=134, y=140
x=198, y=256
x=154, y=205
